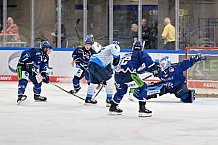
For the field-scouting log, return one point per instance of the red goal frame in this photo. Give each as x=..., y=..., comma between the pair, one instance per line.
x=200, y=84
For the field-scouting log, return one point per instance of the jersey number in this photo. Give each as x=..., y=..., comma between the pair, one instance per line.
x=125, y=60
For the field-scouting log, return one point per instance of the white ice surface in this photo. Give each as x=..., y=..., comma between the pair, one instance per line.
x=64, y=120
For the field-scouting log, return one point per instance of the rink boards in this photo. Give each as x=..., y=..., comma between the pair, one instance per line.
x=63, y=71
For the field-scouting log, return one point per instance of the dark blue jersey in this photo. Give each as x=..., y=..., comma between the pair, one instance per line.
x=174, y=76
x=36, y=57
x=132, y=61
x=81, y=56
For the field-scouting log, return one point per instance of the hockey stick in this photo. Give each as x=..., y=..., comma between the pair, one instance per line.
x=98, y=91
x=147, y=77
x=67, y=91
x=82, y=66
x=143, y=45
x=75, y=28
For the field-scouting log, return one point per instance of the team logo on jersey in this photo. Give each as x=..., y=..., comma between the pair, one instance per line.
x=45, y=60
x=171, y=69
x=165, y=74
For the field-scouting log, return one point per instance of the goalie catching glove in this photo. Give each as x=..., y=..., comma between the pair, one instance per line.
x=198, y=57
x=155, y=69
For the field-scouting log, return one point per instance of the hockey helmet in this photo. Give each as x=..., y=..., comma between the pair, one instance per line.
x=165, y=62
x=116, y=42
x=45, y=45
x=88, y=41
x=90, y=36
x=137, y=46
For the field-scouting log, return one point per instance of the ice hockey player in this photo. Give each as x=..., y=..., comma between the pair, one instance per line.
x=127, y=71
x=100, y=69
x=172, y=76
x=81, y=57
x=33, y=64
x=97, y=47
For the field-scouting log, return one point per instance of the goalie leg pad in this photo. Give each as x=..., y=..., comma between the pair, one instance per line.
x=192, y=95
x=188, y=97
x=180, y=91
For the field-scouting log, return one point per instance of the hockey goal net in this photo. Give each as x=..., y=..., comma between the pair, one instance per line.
x=203, y=76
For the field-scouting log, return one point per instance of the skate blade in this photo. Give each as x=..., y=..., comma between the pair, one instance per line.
x=20, y=101
x=39, y=101
x=89, y=104
x=114, y=113
x=145, y=115
x=73, y=93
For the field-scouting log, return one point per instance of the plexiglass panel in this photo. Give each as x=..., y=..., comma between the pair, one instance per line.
x=97, y=21
x=198, y=23
x=17, y=28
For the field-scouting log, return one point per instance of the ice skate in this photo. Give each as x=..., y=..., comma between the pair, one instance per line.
x=151, y=96
x=21, y=98
x=39, y=98
x=143, y=112
x=90, y=101
x=114, y=109
x=73, y=91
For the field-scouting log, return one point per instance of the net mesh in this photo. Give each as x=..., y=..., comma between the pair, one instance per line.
x=203, y=76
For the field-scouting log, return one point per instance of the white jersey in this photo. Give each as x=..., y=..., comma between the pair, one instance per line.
x=106, y=55
x=96, y=46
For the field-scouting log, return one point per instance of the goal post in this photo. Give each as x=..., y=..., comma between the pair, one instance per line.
x=203, y=76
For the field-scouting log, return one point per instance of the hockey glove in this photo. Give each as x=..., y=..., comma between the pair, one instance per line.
x=45, y=77
x=116, y=61
x=156, y=71
x=33, y=69
x=104, y=83
x=141, y=69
